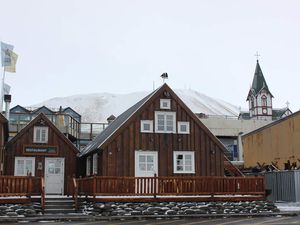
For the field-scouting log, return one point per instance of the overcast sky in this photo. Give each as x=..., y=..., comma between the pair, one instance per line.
x=93, y=46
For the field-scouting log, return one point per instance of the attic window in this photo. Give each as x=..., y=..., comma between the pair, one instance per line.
x=165, y=122
x=183, y=127
x=147, y=126
x=165, y=103
x=40, y=134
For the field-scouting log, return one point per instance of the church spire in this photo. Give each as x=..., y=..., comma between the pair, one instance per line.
x=259, y=96
x=259, y=81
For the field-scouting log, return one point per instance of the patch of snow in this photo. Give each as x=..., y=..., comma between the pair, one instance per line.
x=288, y=206
x=98, y=107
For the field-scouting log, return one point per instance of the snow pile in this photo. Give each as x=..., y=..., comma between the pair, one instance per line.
x=99, y=106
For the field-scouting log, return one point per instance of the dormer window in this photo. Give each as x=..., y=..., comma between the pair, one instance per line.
x=40, y=134
x=165, y=103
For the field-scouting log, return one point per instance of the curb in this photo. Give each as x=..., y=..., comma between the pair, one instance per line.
x=61, y=217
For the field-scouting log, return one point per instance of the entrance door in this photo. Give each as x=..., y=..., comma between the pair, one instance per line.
x=145, y=163
x=145, y=166
x=54, y=175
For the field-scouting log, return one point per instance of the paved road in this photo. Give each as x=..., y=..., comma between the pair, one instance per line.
x=203, y=221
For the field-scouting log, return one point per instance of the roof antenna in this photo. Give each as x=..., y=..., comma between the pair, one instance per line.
x=287, y=104
x=164, y=76
x=257, y=55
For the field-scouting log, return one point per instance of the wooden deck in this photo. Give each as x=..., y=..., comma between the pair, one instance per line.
x=175, y=188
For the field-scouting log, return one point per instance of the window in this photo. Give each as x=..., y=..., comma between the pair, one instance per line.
x=88, y=166
x=165, y=122
x=184, y=162
x=95, y=163
x=183, y=127
x=147, y=126
x=24, y=166
x=264, y=101
x=40, y=135
x=165, y=103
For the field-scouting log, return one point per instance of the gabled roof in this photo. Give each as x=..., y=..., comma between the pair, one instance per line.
x=43, y=109
x=278, y=113
x=19, y=109
x=259, y=83
x=50, y=124
x=114, y=126
x=272, y=124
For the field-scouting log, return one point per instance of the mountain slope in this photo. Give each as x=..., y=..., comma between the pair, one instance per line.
x=99, y=106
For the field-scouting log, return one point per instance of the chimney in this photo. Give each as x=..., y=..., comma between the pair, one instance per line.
x=7, y=100
x=111, y=118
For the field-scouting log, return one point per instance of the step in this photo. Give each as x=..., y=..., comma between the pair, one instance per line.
x=59, y=211
x=59, y=206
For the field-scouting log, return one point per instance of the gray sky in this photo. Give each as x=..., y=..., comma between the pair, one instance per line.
x=88, y=46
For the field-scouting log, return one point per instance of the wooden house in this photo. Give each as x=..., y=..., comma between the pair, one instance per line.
x=42, y=150
x=158, y=135
x=3, y=140
x=276, y=144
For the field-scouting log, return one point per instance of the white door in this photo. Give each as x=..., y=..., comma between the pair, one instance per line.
x=145, y=163
x=54, y=175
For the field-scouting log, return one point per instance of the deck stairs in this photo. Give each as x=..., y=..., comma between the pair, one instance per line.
x=59, y=205
x=231, y=170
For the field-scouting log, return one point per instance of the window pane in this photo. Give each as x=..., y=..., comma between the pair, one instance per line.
x=183, y=128
x=150, y=159
x=28, y=167
x=179, y=168
x=149, y=167
x=20, y=167
x=57, y=170
x=188, y=168
x=188, y=157
x=142, y=167
x=146, y=126
x=142, y=158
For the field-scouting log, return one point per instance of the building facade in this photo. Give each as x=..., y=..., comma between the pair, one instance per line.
x=158, y=135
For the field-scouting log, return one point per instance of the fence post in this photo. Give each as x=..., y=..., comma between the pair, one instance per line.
x=155, y=191
x=94, y=187
x=30, y=185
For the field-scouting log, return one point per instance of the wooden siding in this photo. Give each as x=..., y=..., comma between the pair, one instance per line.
x=55, y=138
x=276, y=143
x=117, y=155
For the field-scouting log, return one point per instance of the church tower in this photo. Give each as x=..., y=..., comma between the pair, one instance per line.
x=259, y=97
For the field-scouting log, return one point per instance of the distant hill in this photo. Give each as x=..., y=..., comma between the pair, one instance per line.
x=98, y=107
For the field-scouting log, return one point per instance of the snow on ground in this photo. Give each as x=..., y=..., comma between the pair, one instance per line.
x=98, y=107
x=288, y=206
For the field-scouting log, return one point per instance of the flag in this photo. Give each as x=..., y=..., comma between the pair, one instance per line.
x=5, y=54
x=13, y=60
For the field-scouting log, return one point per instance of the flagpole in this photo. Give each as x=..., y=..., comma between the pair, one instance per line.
x=2, y=90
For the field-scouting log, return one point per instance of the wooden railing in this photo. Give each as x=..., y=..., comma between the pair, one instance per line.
x=166, y=186
x=26, y=186
x=72, y=189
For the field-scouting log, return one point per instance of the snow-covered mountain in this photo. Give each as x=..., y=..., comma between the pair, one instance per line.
x=99, y=106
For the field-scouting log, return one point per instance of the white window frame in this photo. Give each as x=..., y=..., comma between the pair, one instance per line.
x=41, y=129
x=186, y=123
x=88, y=166
x=167, y=101
x=184, y=153
x=150, y=122
x=165, y=114
x=25, y=158
x=95, y=163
